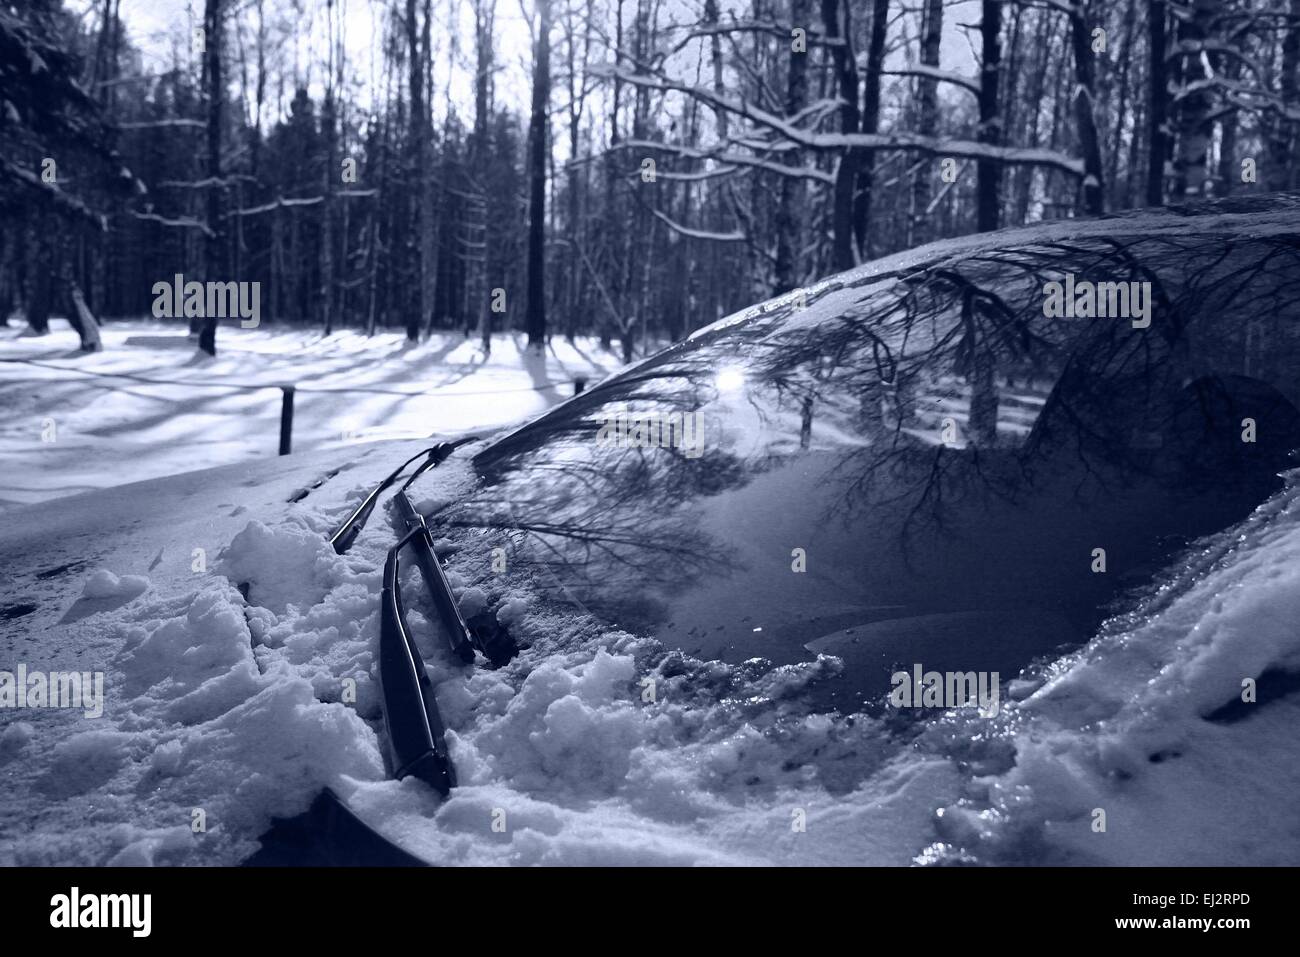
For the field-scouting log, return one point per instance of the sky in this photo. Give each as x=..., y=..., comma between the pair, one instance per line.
x=161, y=29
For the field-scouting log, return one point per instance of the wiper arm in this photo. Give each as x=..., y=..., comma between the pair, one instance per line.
x=496, y=645
x=416, y=738
x=347, y=533
x=421, y=542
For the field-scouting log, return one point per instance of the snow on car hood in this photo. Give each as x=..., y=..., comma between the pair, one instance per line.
x=237, y=708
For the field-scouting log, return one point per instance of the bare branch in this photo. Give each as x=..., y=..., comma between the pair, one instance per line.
x=184, y=222
x=943, y=76
x=735, y=236
x=782, y=127
x=154, y=124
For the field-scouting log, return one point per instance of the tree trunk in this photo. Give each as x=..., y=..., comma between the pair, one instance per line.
x=1228, y=169
x=80, y=316
x=259, y=96
x=479, y=308
x=215, y=247
x=277, y=263
x=988, y=171
x=1122, y=116
x=983, y=400
x=1044, y=40
x=983, y=419
x=791, y=189
x=7, y=284
x=612, y=221
x=846, y=174
x=40, y=267
x=1280, y=156
x=715, y=61
x=415, y=135
x=573, y=286
x=326, y=247
x=1084, y=110
x=1157, y=136
x=538, y=148
x=870, y=124
x=576, y=101
x=424, y=181
x=927, y=120
x=1195, y=111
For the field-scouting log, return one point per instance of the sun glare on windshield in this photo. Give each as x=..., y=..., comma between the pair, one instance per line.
x=730, y=381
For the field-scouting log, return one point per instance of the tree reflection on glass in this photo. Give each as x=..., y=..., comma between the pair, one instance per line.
x=929, y=436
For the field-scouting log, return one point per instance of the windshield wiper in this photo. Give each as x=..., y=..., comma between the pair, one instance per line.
x=421, y=542
x=347, y=533
x=416, y=736
x=496, y=646
x=416, y=739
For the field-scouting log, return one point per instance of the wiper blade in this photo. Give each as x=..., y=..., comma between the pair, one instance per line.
x=416, y=737
x=421, y=542
x=495, y=643
x=347, y=533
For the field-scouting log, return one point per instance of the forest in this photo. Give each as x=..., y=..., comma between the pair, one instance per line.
x=625, y=169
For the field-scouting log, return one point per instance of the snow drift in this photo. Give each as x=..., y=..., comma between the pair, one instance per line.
x=595, y=746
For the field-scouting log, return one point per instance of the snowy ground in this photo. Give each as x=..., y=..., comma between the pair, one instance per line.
x=151, y=405
x=235, y=708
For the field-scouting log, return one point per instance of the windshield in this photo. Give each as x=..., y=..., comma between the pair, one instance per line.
x=912, y=465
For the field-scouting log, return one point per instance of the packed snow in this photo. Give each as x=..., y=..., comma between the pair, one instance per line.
x=595, y=746
x=1121, y=725
x=151, y=404
x=104, y=584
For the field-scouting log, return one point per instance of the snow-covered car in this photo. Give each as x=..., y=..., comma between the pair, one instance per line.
x=742, y=575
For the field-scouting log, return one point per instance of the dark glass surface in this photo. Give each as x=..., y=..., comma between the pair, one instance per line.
x=946, y=455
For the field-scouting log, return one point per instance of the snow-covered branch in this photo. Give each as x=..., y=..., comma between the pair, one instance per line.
x=735, y=236
x=203, y=183
x=943, y=76
x=185, y=222
x=1204, y=45
x=723, y=155
x=154, y=124
x=276, y=204
x=808, y=139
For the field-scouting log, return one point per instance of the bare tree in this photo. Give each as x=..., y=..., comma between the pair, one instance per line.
x=474, y=244
x=791, y=196
x=1084, y=107
x=1158, y=95
x=1195, y=99
x=424, y=181
x=870, y=123
x=327, y=124
x=538, y=153
x=576, y=82
x=927, y=115
x=1281, y=127
x=773, y=166
x=417, y=135
x=215, y=89
x=837, y=21
x=988, y=170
